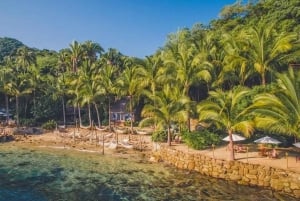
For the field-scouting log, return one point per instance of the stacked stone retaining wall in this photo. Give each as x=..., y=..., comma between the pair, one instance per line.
x=243, y=173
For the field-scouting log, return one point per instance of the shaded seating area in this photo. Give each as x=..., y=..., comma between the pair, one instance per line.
x=240, y=148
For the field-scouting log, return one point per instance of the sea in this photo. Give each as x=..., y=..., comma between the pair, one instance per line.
x=58, y=174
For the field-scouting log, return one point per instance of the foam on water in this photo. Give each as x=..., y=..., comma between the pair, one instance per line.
x=40, y=174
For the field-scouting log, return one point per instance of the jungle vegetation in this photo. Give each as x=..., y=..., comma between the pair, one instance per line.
x=240, y=73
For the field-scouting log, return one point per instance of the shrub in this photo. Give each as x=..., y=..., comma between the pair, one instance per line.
x=27, y=122
x=200, y=139
x=159, y=136
x=49, y=125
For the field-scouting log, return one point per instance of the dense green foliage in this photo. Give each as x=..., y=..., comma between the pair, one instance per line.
x=8, y=47
x=223, y=74
x=201, y=139
x=49, y=125
x=159, y=136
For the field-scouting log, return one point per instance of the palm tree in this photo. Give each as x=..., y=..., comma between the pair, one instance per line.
x=60, y=85
x=18, y=86
x=236, y=65
x=266, y=47
x=153, y=75
x=279, y=111
x=227, y=110
x=130, y=84
x=76, y=53
x=91, y=50
x=25, y=57
x=169, y=107
x=5, y=76
x=106, y=75
x=190, y=64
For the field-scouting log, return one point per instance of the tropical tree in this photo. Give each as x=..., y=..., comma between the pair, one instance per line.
x=107, y=77
x=267, y=49
x=190, y=64
x=279, y=111
x=91, y=50
x=76, y=54
x=130, y=84
x=18, y=86
x=153, y=76
x=236, y=65
x=169, y=108
x=226, y=110
x=6, y=74
x=24, y=58
x=88, y=88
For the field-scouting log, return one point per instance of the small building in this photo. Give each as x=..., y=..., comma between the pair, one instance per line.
x=119, y=112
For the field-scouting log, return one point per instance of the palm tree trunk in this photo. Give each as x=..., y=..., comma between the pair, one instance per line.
x=169, y=134
x=34, y=104
x=231, y=146
x=131, y=116
x=6, y=107
x=263, y=79
x=79, y=114
x=90, y=115
x=64, y=110
x=187, y=88
x=189, y=121
x=109, y=114
x=74, y=113
x=98, y=117
x=154, y=103
x=17, y=111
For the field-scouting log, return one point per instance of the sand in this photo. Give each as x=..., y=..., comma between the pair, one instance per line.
x=142, y=144
x=85, y=141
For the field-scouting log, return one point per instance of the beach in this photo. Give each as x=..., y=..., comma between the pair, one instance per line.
x=61, y=144
x=84, y=141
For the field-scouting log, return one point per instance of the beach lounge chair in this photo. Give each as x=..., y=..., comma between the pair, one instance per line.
x=125, y=143
x=111, y=145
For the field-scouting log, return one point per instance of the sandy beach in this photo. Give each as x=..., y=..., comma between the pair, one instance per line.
x=141, y=144
x=85, y=141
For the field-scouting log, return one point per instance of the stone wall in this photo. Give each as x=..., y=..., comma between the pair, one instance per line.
x=240, y=172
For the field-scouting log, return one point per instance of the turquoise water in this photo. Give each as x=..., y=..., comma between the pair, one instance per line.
x=42, y=174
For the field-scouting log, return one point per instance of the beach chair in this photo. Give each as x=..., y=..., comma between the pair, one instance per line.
x=240, y=149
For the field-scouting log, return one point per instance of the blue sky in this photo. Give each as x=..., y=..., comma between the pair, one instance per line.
x=134, y=27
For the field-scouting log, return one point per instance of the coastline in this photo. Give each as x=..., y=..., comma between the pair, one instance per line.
x=64, y=140
x=59, y=141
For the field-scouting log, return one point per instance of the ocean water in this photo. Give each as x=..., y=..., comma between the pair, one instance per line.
x=43, y=174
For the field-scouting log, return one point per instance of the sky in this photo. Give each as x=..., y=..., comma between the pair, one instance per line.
x=134, y=27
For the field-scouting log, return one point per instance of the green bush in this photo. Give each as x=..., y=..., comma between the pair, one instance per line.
x=27, y=122
x=159, y=136
x=200, y=139
x=49, y=125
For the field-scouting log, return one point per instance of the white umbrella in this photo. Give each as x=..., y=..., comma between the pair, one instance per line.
x=235, y=137
x=297, y=144
x=267, y=140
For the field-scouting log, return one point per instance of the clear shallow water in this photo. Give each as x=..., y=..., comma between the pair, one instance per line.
x=52, y=174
